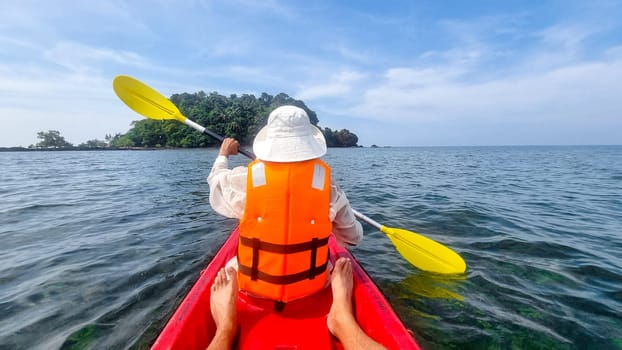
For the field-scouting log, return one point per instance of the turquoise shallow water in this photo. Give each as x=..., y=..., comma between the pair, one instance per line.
x=98, y=248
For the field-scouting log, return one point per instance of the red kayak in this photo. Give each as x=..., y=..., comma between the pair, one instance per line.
x=302, y=323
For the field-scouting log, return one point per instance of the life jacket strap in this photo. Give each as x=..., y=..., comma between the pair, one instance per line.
x=258, y=244
x=279, y=306
x=283, y=279
x=314, y=245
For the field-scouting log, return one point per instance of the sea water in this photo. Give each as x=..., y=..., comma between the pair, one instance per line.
x=98, y=248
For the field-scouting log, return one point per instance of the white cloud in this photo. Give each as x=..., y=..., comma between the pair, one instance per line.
x=557, y=46
x=339, y=84
x=614, y=52
x=349, y=53
x=229, y=47
x=78, y=57
x=9, y=44
x=274, y=7
x=48, y=92
x=566, y=36
x=413, y=77
x=582, y=92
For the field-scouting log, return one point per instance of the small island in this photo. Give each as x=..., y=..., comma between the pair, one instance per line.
x=240, y=117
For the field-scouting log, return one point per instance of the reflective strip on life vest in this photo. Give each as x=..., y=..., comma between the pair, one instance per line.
x=319, y=175
x=259, y=174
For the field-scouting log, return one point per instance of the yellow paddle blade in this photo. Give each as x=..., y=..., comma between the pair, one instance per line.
x=424, y=253
x=144, y=100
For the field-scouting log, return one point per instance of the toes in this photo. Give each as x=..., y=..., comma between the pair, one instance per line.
x=230, y=273
x=339, y=263
x=342, y=264
x=219, y=280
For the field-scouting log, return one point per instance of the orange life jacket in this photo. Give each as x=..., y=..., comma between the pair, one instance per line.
x=283, y=247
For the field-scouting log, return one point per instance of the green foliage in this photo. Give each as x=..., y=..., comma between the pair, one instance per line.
x=52, y=139
x=240, y=117
x=119, y=141
x=95, y=143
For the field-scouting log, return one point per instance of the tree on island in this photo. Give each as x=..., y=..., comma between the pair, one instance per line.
x=52, y=139
x=95, y=143
x=240, y=117
x=118, y=140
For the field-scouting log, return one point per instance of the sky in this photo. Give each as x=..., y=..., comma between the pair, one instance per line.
x=396, y=73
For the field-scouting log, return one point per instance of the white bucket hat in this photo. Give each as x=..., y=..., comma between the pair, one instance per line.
x=289, y=136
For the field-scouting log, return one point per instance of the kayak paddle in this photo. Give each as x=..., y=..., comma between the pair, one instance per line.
x=149, y=103
x=420, y=251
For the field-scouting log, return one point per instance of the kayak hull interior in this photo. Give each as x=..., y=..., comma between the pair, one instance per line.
x=300, y=325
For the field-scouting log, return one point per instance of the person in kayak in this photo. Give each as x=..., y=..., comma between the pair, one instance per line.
x=287, y=205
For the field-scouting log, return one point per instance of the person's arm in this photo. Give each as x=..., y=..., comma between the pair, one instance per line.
x=347, y=230
x=227, y=186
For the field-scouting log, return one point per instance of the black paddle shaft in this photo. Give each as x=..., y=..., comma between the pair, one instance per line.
x=244, y=151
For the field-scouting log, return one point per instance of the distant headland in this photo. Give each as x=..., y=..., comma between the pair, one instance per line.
x=240, y=117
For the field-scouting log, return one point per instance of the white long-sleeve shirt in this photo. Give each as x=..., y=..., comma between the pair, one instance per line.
x=228, y=197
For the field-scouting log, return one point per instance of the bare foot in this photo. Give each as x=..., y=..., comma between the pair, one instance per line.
x=340, y=315
x=223, y=303
x=341, y=322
